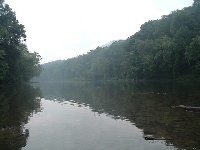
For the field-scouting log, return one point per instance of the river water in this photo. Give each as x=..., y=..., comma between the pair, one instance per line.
x=99, y=116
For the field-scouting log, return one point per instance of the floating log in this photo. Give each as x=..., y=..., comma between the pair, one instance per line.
x=188, y=108
x=148, y=137
x=151, y=137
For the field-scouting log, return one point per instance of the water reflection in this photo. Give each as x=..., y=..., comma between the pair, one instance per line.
x=17, y=103
x=146, y=104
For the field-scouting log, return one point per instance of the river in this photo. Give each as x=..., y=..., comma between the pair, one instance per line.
x=99, y=116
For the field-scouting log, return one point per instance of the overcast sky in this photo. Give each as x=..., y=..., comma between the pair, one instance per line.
x=61, y=29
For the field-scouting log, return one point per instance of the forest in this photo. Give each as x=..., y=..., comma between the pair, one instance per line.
x=167, y=48
x=17, y=64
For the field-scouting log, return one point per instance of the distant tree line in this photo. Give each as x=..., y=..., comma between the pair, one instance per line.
x=168, y=48
x=17, y=64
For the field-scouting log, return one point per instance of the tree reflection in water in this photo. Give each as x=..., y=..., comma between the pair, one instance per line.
x=147, y=105
x=17, y=103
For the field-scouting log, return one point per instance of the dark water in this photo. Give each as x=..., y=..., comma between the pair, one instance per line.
x=17, y=104
x=100, y=116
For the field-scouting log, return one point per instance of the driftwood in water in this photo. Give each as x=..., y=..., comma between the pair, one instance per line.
x=188, y=108
x=151, y=137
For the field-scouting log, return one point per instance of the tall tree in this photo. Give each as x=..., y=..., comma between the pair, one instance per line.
x=13, y=54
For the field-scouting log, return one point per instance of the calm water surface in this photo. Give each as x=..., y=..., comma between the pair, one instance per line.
x=69, y=126
x=100, y=116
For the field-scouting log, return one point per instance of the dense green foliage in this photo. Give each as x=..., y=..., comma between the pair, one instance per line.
x=168, y=48
x=16, y=62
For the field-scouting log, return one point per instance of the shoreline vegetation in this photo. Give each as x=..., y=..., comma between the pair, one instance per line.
x=168, y=48
x=164, y=49
x=17, y=64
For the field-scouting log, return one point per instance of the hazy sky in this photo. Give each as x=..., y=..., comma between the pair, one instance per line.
x=61, y=29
